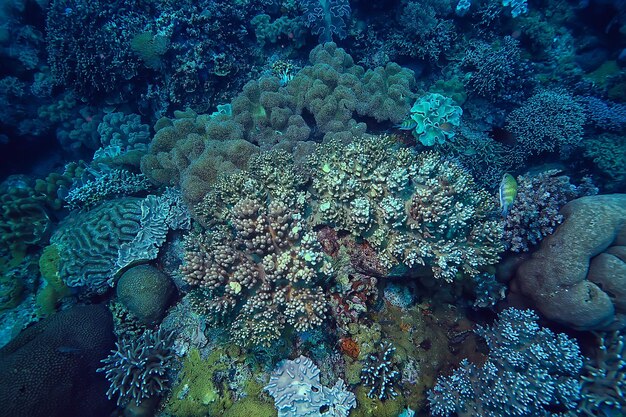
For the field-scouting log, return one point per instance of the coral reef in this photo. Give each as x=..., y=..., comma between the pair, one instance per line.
x=576, y=277
x=261, y=266
x=136, y=369
x=528, y=371
x=413, y=209
x=50, y=368
x=549, y=120
x=97, y=244
x=535, y=211
x=433, y=118
x=603, y=379
x=297, y=391
x=145, y=292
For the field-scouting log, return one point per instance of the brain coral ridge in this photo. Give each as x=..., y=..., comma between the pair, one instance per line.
x=415, y=209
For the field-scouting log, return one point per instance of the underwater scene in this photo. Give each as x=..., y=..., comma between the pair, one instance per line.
x=312, y=208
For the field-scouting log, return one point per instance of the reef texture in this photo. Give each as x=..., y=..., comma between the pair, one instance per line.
x=577, y=277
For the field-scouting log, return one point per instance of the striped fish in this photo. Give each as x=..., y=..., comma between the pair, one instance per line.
x=508, y=192
x=408, y=124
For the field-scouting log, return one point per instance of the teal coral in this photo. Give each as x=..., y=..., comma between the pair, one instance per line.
x=434, y=117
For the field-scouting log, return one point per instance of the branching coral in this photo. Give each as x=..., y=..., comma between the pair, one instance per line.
x=137, y=368
x=604, y=378
x=413, y=209
x=259, y=266
x=529, y=372
x=380, y=373
x=498, y=73
x=535, y=211
x=548, y=121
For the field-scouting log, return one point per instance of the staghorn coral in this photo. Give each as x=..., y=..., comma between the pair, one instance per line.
x=548, y=121
x=137, y=368
x=296, y=388
x=604, y=380
x=535, y=211
x=413, y=209
x=258, y=266
x=529, y=372
x=380, y=373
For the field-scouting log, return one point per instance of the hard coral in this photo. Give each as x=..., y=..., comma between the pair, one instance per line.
x=529, y=371
x=535, y=211
x=49, y=370
x=577, y=276
x=413, y=209
x=259, y=263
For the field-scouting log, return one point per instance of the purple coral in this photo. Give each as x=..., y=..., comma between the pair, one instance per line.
x=535, y=212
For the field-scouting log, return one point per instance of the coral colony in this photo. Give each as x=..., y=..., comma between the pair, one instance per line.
x=313, y=208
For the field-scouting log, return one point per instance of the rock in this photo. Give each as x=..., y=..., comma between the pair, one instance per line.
x=145, y=291
x=578, y=275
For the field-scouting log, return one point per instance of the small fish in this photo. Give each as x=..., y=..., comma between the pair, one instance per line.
x=408, y=124
x=446, y=126
x=69, y=350
x=508, y=192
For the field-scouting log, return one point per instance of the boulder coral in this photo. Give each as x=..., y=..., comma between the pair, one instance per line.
x=578, y=275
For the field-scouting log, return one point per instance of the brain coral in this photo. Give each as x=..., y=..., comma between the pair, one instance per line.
x=95, y=245
x=578, y=275
x=54, y=361
x=415, y=209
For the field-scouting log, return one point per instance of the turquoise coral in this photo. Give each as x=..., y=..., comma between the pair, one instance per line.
x=433, y=118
